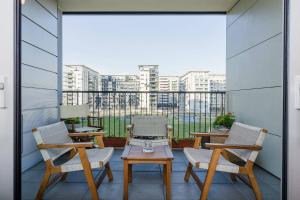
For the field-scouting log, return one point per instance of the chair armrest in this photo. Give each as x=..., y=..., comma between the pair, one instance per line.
x=210, y=134
x=86, y=134
x=66, y=145
x=233, y=146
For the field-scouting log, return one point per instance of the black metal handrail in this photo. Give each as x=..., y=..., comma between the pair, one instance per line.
x=186, y=111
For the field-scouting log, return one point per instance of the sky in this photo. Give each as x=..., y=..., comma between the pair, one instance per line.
x=117, y=44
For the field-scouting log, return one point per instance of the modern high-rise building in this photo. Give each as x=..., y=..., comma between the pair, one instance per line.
x=168, y=84
x=148, y=82
x=119, y=86
x=79, y=78
x=201, y=81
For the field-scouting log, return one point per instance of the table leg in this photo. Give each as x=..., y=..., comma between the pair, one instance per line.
x=125, y=184
x=168, y=180
x=165, y=173
x=129, y=173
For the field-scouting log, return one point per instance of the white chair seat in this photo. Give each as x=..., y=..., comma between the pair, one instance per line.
x=141, y=142
x=97, y=158
x=86, y=129
x=200, y=158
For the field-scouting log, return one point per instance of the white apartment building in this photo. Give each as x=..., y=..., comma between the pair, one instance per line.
x=120, y=84
x=148, y=82
x=168, y=84
x=79, y=78
x=201, y=81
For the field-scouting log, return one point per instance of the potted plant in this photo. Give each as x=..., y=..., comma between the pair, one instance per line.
x=224, y=121
x=72, y=123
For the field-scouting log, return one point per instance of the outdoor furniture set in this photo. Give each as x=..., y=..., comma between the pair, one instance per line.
x=149, y=141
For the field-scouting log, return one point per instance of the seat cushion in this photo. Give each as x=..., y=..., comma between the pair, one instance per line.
x=86, y=129
x=200, y=158
x=141, y=142
x=97, y=157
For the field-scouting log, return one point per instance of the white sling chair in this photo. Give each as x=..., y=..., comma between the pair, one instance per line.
x=144, y=128
x=54, y=140
x=236, y=156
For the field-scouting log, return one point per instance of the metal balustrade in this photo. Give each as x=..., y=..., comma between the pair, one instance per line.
x=186, y=111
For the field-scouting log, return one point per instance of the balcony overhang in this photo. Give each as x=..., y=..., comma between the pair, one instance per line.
x=86, y=6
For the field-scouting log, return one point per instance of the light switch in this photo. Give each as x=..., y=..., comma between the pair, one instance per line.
x=3, y=91
x=297, y=92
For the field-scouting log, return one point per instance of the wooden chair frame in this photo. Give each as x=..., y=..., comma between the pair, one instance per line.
x=81, y=149
x=245, y=168
x=169, y=129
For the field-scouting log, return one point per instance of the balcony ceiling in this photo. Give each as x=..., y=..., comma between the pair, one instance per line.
x=146, y=5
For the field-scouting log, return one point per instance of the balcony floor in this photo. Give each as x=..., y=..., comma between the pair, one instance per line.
x=148, y=184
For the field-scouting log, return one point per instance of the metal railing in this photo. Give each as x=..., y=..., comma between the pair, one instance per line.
x=186, y=111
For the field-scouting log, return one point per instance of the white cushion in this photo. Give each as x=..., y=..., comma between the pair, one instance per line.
x=141, y=142
x=200, y=158
x=97, y=158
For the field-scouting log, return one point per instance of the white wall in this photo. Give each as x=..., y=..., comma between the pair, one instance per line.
x=7, y=23
x=293, y=114
x=40, y=68
x=254, y=72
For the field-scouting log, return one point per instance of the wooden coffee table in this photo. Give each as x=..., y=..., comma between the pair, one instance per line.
x=135, y=155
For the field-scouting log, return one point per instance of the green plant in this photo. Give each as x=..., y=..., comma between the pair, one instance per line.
x=74, y=120
x=224, y=120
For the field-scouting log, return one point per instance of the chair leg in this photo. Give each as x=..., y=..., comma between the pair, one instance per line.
x=88, y=173
x=44, y=184
x=188, y=172
x=210, y=173
x=109, y=172
x=254, y=185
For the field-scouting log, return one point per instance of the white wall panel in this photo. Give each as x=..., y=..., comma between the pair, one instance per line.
x=258, y=67
x=37, y=36
x=254, y=72
x=261, y=22
x=274, y=155
x=260, y=107
x=50, y=5
x=38, y=117
x=238, y=10
x=33, y=77
x=33, y=10
x=38, y=58
x=38, y=98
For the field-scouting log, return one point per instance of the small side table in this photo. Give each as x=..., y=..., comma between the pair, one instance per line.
x=135, y=155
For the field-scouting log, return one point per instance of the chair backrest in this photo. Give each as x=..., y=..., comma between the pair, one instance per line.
x=243, y=134
x=144, y=125
x=52, y=134
x=71, y=111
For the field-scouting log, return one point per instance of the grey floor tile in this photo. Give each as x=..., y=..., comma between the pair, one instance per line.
x=147, y=177
x=146, y=191
x=146, y=167
x=225, y=192
x=33, y=175
x=185, y=191
x=64, y=190
x=219, y=177
x=79, y=177
x=111, y=191
x=29, y=189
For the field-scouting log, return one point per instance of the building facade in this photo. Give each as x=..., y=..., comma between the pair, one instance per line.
x=202, y=81
x=79, y=78
x=168, y=84
x=148, y=82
